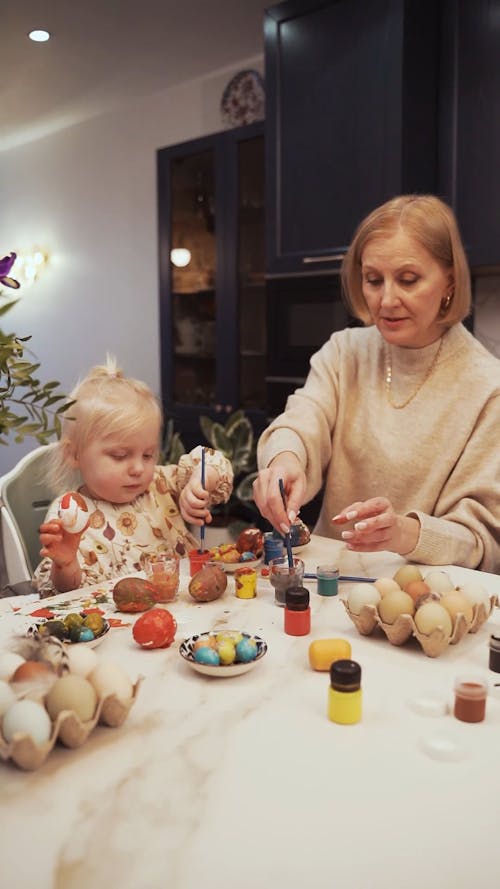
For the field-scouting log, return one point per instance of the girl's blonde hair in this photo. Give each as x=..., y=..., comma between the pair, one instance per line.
x=106, y=403
x=432, y=224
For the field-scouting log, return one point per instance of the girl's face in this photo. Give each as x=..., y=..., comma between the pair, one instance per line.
x=119, y=467
x=403, y=286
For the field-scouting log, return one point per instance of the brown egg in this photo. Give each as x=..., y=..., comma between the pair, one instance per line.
x=417, y=588
x=394, y=604
x=30, y=671
x=406, y=574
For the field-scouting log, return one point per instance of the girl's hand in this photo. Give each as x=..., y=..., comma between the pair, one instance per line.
x=193, y=501
x=57, y=544
x=376, y=526
x=267, y=494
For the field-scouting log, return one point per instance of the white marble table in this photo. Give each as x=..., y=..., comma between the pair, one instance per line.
x=244, y=782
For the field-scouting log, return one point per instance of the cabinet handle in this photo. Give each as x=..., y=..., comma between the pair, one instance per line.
x=333, y=257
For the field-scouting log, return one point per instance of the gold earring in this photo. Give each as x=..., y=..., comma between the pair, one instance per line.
x=445, y=303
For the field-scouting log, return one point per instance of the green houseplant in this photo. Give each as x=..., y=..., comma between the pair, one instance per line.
x=28, y=407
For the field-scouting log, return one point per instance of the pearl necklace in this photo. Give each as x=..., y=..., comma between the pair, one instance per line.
x=388, y=378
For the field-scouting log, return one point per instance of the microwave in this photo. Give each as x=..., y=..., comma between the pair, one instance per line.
x=302, y=312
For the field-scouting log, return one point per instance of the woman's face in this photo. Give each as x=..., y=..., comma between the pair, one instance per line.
x=403, y=286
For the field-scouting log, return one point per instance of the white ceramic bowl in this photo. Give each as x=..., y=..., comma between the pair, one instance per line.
x=221, y=671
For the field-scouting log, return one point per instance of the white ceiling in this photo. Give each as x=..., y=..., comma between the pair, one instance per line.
x=105, y=52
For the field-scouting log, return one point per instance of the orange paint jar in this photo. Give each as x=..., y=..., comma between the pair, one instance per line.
x=470, y=699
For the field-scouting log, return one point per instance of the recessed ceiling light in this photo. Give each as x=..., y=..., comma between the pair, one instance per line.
x=39, y=36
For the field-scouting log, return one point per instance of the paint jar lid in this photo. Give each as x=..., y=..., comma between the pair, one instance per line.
x=345, y=675
x=471, y=687
x=297, y=598
x=494, y=642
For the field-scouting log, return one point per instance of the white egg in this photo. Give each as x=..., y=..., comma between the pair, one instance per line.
x=110, y=679
x=475, y=593
x=81, y=659
x=432, y=616
x=386, y=585
x=9, y=662
x=7, y=697
x=439, y=581
x=362, y=594
x=27, y=718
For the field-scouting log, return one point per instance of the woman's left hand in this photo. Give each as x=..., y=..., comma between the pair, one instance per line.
x=376, y=526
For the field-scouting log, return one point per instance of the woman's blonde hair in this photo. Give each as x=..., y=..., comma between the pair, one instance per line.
x=106, y=403
x=432, y=224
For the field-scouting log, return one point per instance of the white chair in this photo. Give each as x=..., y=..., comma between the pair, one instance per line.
x=24, y=498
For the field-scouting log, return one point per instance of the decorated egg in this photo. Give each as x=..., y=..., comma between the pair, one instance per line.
x=227, y=652
x=73, y=512
x=207, y=656
x=246, y=650
x=155, y=629
x=362, y=594
x=27, y=718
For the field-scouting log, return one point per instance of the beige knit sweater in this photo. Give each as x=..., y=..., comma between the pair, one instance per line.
x=437, y=459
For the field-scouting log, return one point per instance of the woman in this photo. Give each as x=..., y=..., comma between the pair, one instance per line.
x=398, y=420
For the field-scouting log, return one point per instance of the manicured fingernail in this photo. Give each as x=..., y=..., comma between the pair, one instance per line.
x=336, y=517
x=346, y=535
x=292, y=516
x=352, y=514
x=285, y=528
x=360, y=526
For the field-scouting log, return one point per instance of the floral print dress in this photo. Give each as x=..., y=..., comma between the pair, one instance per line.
x=120, y=537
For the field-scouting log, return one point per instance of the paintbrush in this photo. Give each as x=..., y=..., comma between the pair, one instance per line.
x=202, y=529
x=288, y=541
x=345, y=577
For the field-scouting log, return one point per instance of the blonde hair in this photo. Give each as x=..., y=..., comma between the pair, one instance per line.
x=432, y=224
x=106, y=403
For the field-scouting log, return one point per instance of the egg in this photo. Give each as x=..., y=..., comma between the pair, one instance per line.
x=7, y=697
x=72, y=511
x=227, y=652
x=110, y=679
x=207, y=655
x=72, y=692
x=394, y=604
x=81, y=659
x=406, y=574
x=456, y=603
x=432, y=616
x=9, y=662
x=246, y=650
x=386, y=585
x=30, y=671
x=27, y=718
x=205, y=642
x=362, y=594
x=439, y=582
x=417, y=588
x=475, y=593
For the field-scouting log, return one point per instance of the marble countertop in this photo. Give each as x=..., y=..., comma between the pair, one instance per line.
x=246, y=782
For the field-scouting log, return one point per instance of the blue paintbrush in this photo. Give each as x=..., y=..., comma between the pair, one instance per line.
x=202, y=529
x=345, y=577
x=288, y=542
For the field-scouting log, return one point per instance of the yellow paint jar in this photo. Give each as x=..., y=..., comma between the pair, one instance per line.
x=344, y=694
x=245, y=580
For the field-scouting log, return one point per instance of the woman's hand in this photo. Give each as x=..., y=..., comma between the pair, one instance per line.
x=193, y=500
x=376, y=526
x=57, y=544
x=267, y=494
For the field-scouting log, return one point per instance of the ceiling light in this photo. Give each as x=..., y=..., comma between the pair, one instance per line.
x=39, y=36
x=180, y=257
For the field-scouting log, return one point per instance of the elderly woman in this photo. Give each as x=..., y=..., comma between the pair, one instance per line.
x=398, y=420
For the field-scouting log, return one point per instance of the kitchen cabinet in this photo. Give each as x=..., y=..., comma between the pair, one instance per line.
x=212, y=292
x=351, y=119
x=470, y=124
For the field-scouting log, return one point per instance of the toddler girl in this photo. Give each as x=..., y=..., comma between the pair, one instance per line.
x=107, y=451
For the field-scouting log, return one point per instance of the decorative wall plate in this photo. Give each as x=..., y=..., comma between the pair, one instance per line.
x=243, y=100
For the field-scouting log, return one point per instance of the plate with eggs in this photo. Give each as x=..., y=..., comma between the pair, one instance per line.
x=74, y=628
x=430, y=608
x=223, y=653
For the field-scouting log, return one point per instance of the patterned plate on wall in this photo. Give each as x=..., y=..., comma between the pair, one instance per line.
x=243, y=100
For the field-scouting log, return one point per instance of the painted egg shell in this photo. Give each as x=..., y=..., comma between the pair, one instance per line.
x=206, y=656
x=73, y=512
x=246, y=650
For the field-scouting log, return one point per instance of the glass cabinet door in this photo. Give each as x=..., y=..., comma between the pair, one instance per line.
x=193, y=270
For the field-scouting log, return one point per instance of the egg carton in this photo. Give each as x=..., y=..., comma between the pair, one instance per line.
x=68, y=729
x=404, y=626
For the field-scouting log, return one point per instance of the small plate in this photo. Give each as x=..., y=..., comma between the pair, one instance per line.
x=221, y=671
x=231, y=567
x=92, y=643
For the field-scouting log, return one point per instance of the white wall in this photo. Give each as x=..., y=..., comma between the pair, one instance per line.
x=88, y=195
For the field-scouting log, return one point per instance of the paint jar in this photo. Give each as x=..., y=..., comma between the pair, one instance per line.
x=344, y=694
x=494, y=663
x=273, y=546
x=197, y=559
x=328, y=580
x=245, y=581
x=162, y=572
x=297, y=614
x=470, y=698
x=283, y=576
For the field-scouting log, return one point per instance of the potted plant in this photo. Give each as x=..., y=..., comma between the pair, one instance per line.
x=28, y=407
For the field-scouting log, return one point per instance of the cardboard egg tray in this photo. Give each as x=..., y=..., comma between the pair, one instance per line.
x=404, y=626
x=68, y=729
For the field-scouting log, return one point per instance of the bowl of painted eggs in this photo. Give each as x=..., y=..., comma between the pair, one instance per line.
x=74, y=628
x=430, y=608
x=223, y=653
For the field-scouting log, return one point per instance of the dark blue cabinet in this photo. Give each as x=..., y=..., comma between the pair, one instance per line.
x=351, y=119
